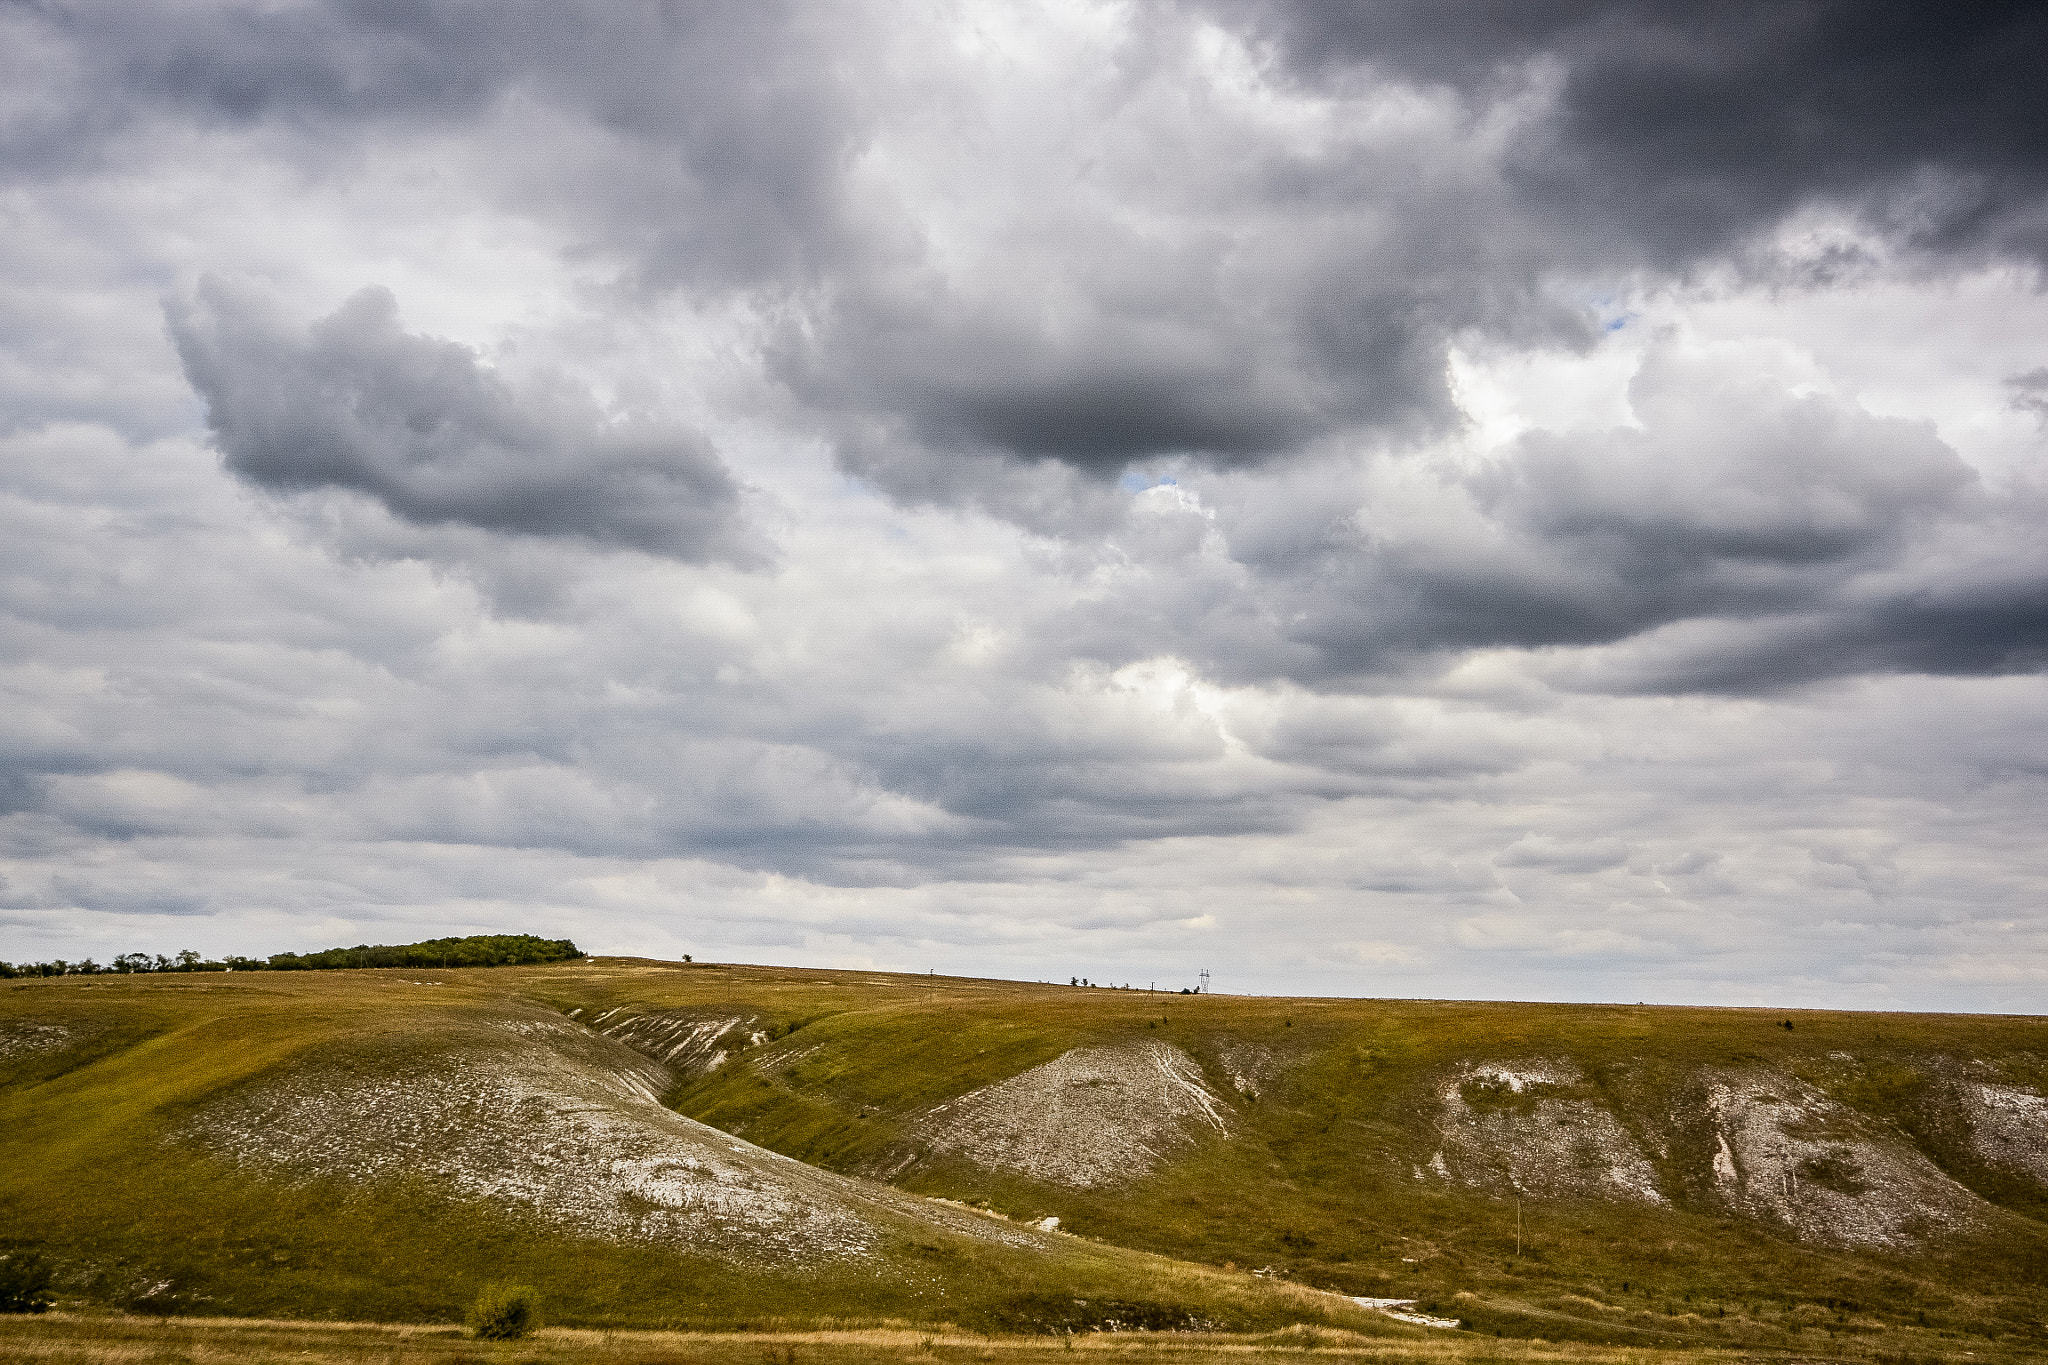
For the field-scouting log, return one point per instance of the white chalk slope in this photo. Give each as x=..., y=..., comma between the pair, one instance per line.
x=540, y=1114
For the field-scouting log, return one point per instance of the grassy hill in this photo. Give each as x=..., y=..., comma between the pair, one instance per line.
x=1709, y=1175
x=376, y=1143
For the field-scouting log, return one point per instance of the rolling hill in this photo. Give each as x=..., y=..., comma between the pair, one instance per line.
x=376, y=1144
x=1706, y=1174
x=661, y=1144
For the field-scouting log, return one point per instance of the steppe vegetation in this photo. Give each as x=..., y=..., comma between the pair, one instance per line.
x=108, y=1340
x=977, y=1159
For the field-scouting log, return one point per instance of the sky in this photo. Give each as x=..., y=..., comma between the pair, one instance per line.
x=1533, y=499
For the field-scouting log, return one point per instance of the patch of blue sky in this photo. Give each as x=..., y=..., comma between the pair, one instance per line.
x=1613, y=316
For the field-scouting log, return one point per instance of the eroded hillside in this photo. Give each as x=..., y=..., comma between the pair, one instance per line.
x=378, y=1144
x=1654, y=1158
x=660, y=1143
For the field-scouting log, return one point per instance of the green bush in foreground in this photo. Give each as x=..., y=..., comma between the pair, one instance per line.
x=503, y=1312
x=24, y=1283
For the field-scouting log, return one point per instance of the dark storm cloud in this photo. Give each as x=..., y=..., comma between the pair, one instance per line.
x=354, y=402
x=1224, y=299
x=2030, y=392
x=1217, y=296
x=106, y=72
x=705, y=141
x=1984, y=630
x=1832, y=542
x=1745, y=538
x=1799, y=525
x=1240, y=319
x=1175, y=278
x=1685, y=124
x=1187, y=372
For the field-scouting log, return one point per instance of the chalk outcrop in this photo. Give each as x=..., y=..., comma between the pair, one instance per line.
x=541, y=1115
x=1538, y=1128
x=1787, y=1154
x=1090, y=1117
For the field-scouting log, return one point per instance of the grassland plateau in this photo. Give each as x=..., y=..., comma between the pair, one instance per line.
x=661, y=1147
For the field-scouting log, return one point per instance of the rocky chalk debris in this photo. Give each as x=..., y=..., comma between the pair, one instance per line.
x=1537, y=1128
x=2008, y=1127
x=689, y=1043
x=1783, y=1152
x=1404, y=1310
x=1788, y=1154
x=26, y=1040
x=1089, y=1117
x=541, y=1115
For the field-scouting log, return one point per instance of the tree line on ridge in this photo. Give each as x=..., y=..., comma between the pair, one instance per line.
x=475, y=950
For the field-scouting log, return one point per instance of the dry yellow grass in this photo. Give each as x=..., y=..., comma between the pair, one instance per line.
x=73, y=1339
x=1318, y=1182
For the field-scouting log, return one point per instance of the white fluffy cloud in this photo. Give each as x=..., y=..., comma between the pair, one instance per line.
x=1081, y=489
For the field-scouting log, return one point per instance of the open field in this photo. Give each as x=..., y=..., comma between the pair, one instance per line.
x=707, y=1147
x=66, y=1339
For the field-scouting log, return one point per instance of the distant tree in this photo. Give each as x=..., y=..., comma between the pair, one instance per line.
x=25, y=1283
x=477, y=950
x=504, y=1312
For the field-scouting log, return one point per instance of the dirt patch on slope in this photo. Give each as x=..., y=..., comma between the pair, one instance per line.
x=1788, y=1154
x=1090, y=1117
x=1538, y=1128
x=539, y=1115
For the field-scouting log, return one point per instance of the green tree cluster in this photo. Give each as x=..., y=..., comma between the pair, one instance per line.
x=476, y=950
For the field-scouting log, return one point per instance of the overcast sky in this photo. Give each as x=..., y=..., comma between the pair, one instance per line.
x=1528, y=499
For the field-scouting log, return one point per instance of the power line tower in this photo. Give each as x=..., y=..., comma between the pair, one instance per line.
x=1205, y=980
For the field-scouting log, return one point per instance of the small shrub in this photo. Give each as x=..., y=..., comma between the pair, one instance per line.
x=25, y=1283
x=504, y=1312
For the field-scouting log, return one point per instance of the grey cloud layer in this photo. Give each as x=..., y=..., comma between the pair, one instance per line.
x=707, y=139
x=1742, y=538
x=1185, y=593
x=1685, y=124
x=1166, y=270
x=357, y=403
